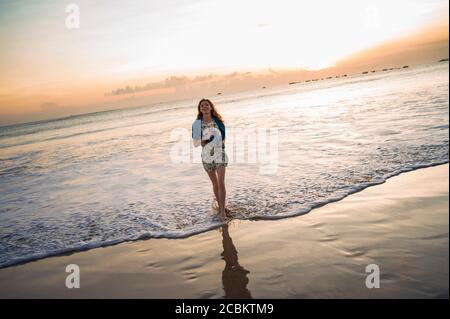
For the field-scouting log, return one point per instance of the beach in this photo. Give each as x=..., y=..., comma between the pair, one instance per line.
x=401, y=226
x=99, y=179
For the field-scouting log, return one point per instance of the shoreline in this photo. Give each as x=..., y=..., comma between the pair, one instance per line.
x=72, y=250
x=292, y=257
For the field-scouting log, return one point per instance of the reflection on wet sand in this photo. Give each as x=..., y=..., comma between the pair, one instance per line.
x=234, y=276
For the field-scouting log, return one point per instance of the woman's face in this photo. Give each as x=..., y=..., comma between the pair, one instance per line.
x=205, y=108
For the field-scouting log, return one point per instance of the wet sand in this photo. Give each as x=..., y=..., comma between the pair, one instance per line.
x=401, y=226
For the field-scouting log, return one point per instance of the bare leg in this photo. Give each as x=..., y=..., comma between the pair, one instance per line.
x=213, y=177
x=222, y=190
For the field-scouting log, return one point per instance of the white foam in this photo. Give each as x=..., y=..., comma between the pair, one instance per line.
x=109, y=179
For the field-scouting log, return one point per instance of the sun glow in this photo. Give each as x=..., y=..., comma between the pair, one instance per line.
x=119, y=43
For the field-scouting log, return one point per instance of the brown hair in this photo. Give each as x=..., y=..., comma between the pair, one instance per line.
x=213, y=110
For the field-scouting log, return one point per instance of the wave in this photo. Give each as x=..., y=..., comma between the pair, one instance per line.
x=184, y=234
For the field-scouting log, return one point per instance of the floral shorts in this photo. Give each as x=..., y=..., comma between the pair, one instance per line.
x=213, y=157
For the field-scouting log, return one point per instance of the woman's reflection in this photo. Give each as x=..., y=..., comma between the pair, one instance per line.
x=234, y=276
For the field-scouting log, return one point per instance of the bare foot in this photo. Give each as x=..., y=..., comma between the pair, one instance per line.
x=227, y=211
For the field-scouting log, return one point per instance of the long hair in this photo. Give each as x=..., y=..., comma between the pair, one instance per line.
x=213, y=110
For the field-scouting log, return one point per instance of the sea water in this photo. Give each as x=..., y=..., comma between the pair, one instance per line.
x=97, y=179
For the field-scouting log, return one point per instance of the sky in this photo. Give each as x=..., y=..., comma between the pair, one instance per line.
x=140, y=51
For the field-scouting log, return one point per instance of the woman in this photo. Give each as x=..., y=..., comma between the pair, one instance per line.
x=208, y=131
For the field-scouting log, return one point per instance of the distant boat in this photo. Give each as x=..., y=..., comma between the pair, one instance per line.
x=220, y=93
x=405, y=66
x=263, y=87
x=443, y=60
x=365, y=72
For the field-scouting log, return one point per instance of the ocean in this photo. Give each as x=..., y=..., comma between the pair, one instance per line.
x=98, y=179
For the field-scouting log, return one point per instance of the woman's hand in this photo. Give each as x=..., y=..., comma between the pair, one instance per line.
x=211, y=138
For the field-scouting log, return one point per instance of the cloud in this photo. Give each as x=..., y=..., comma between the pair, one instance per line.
x=231, y=81
x=173, y=81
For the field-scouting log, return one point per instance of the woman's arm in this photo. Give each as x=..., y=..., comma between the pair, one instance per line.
x=196, y=133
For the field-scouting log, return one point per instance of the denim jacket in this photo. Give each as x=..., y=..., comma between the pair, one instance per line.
x=197, y=128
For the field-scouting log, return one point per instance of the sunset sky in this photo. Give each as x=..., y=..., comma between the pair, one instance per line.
x=50, y=70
